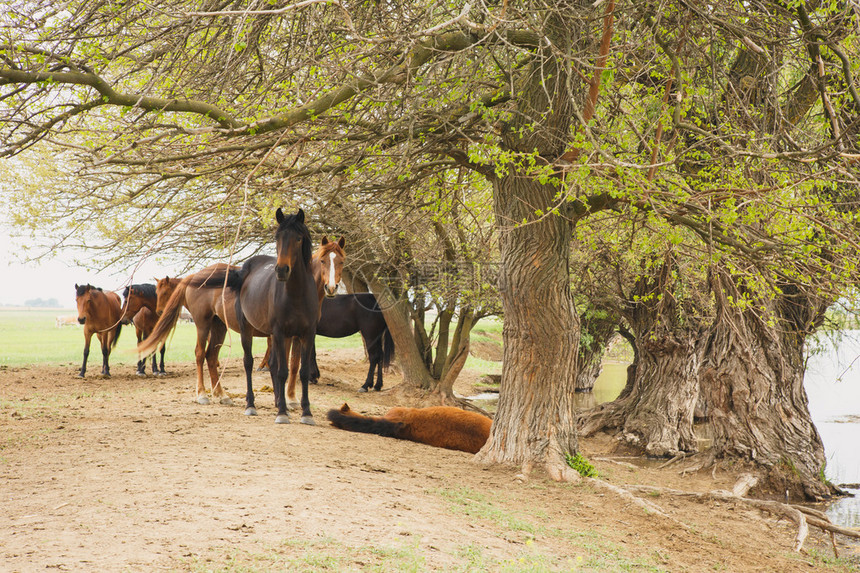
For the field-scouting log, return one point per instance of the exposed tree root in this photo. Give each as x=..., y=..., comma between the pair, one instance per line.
x=802, y=516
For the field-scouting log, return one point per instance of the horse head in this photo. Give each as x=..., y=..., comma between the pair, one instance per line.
x=83, y=298
x=293, y=243
x=331, y=257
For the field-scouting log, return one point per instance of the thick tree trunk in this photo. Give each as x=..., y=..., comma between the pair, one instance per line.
x=752, y=376
x=655, y=413
x=535, y=421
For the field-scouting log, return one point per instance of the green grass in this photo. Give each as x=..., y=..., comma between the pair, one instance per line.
x=31, y=337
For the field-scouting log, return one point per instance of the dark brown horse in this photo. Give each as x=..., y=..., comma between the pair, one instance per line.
x=139, y=307
x=277, y=296
x=100, y=313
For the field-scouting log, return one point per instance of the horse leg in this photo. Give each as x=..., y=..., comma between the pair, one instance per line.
x=315, y=369
x=217, y=333
x=88, y=335
x=378, y=386
x=294, y=351
x=374, y=356
x=264, y=362
x=278, y=369
x=304, y=371
x=161, y=371
x=141, y=364
x=199, y=356
x=104, y=339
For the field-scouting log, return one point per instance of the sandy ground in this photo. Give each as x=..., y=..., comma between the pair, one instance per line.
x=130, y=474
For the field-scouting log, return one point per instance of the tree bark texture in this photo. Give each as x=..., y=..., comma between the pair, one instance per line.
x=752, y=375
x=655, y=413
x=535, y=421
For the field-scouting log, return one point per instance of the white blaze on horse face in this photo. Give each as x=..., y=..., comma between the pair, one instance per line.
x=331, y=284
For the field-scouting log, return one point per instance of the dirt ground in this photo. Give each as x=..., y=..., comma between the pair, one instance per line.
x=130, y=474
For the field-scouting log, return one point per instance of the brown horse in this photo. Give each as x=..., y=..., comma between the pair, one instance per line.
x=213, y=311
x=100, y=313
x=139, y=307
x=440, y=426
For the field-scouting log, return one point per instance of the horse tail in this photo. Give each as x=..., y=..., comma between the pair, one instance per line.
x=116, y=336
x=387, y=348
x=166, y=322
x=346, y=419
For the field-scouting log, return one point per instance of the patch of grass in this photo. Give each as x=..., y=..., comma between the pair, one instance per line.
x=582, y=465
x=476, y=504
x=30, y=337
x=310, y=555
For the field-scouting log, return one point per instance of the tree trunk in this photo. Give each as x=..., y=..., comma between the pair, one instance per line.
x=752, y=376
x=655, y=413
x=535, y=421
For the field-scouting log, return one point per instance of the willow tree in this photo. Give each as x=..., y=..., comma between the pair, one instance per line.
x=222, y=110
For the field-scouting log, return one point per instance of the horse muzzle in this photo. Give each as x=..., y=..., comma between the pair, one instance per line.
x=330, y=292
x=82, y=319
x=282, y=272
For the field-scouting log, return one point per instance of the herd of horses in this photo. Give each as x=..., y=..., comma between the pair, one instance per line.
x=287, y=299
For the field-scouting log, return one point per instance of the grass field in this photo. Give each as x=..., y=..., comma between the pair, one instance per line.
x=31, y=337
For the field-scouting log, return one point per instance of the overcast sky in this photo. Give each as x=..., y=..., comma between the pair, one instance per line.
x=56, y=277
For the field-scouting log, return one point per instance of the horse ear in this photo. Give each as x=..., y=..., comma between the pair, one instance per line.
x=279, y=216
x=76, y=286
x=342, y=242
x=324, y=241
x=300, y=216
x=345, y=408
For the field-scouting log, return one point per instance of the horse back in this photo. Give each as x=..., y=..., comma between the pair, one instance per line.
x=443, y=427
x=346, y=314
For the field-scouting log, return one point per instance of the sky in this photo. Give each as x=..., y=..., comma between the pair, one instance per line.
x=56, y=277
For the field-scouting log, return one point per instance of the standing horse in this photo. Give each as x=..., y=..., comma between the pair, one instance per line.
x=212, y=310
x=100, y=313
x=346, y=314
x=139, y=307
x=279, y=296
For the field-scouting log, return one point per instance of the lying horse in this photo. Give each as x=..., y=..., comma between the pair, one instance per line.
x=440, y=426
x=139, y=308
x=100, y=313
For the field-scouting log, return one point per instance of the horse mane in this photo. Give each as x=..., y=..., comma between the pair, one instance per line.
x=292, y=222
x=81, y=290
x=146, y=290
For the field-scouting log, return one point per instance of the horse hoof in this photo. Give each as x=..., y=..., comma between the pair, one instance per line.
x=293, y=406
x=309, y=420
x=141, y=373
x=378, y=389
x=250, y=411
x=313, y=381
x=283, y=419
x=226, y=401
x=203, y=400
x=362, y=389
